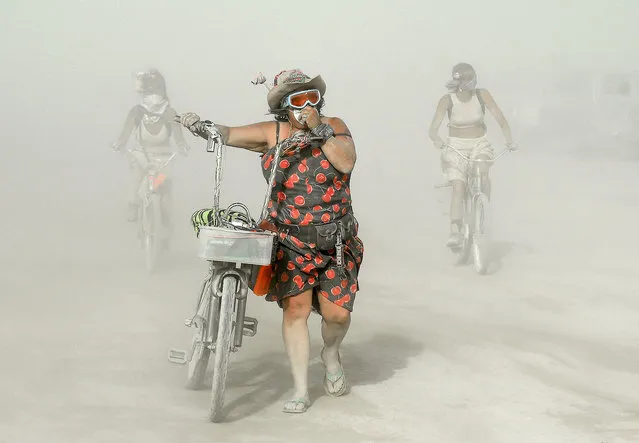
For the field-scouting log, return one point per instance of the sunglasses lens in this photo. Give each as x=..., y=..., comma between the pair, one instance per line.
x=301, y=98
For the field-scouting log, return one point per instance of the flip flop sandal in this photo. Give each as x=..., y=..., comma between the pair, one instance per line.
x=291, y=406
x=332, y=380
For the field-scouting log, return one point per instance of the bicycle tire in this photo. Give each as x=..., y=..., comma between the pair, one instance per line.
x=222, y=348
x=481, y=234
x=462, y=254
x=200, y=352
x=151, y=223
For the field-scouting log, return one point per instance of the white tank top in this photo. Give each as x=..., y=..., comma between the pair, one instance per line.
x=466, y=114
x=148, y=139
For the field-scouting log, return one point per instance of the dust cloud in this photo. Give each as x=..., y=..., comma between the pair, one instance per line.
x=542, y=349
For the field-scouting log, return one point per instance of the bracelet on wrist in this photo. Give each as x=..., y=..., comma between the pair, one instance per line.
x=323, y=130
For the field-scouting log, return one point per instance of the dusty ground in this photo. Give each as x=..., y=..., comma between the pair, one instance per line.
x=544, y=349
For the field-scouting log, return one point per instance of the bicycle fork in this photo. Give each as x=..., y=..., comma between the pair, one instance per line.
x=207, y=311
x=243, y=324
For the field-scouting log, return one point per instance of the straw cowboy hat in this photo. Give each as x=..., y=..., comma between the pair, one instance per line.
x=291, y=81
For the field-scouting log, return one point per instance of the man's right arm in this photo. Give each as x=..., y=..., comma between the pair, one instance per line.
x=129, y=125
x=256, y=137
x=438, y=118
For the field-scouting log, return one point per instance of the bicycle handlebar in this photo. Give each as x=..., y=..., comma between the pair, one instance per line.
x=465, y=157
x=149, y=162
x=478, y=160
x=169, y=160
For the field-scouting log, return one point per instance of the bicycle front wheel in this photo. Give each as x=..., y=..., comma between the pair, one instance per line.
x=222, y=348
x=463, y=250
x=481, y=235
x=151, y=225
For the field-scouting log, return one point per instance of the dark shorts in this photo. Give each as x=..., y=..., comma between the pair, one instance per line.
x=299, y=268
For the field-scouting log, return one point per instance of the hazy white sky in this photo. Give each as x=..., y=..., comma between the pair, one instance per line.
x=68, y=64
x=97, y=44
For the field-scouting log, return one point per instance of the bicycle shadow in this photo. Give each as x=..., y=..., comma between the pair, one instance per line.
x=266, y=379
x=497, y=252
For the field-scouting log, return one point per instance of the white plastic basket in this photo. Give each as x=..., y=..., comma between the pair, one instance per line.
x=228, y=245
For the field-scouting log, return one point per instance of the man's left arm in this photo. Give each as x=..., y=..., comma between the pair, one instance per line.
x=497, y=114
x=339, y=148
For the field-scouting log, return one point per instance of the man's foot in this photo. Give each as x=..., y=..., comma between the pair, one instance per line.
x=335, y=383
x=454, y=239
x=297, y=405
x=132, y=212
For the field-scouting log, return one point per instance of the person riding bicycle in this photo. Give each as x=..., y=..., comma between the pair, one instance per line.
x=465, y=105
x=310, y=205
x=153, y=121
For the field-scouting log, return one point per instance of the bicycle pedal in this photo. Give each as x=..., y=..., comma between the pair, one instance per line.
x=250, y=326
x=178, y=356
x=196, y=321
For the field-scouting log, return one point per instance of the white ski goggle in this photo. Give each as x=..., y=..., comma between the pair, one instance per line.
x=299, y=100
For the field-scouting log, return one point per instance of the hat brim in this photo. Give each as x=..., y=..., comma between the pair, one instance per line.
x=275, y=95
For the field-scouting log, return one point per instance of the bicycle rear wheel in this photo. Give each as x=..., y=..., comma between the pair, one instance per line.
x=222, y=348
x=481, y=234
x=151, y=224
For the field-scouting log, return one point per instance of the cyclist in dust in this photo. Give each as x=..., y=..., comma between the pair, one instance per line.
x=311, y=198
x=465, y=107
x=154, y=126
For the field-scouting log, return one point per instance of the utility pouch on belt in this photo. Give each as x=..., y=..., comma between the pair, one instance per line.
x=327, y=236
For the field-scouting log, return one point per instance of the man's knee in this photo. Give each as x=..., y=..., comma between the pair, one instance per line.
x=296, y=307
x=339, y=317
x=459, y=187
x=334, y=314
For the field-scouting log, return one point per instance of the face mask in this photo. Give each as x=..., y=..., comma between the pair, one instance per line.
x=155, y=103
x=297, y=113
x=458, y=85
x=153, y=99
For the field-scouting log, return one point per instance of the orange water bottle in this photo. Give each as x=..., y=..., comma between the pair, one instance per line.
x=263, y=280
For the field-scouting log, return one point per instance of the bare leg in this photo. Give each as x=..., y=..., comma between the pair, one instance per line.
x=296, y=340
x=335, y=323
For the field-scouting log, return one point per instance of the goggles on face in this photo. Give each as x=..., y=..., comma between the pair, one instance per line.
x=298, y=100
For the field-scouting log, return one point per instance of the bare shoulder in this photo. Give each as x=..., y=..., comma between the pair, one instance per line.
x=485, y=95
x=170, y=112
x=338, y=125
x=445, y=101
x=137, y=110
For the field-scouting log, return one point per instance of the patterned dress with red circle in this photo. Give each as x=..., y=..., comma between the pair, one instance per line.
x=308, y=190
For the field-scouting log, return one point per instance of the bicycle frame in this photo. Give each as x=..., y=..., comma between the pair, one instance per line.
x=148, y=185
x=154, y=169
x=218, y=271
x=208, y=305
x=220, y=312
x=473, y=229
x=474, y=177
x=147, y=214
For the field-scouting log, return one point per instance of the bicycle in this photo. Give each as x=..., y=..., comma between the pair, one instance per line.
x=151, y=230
x=239, y=253
x=475, y=235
